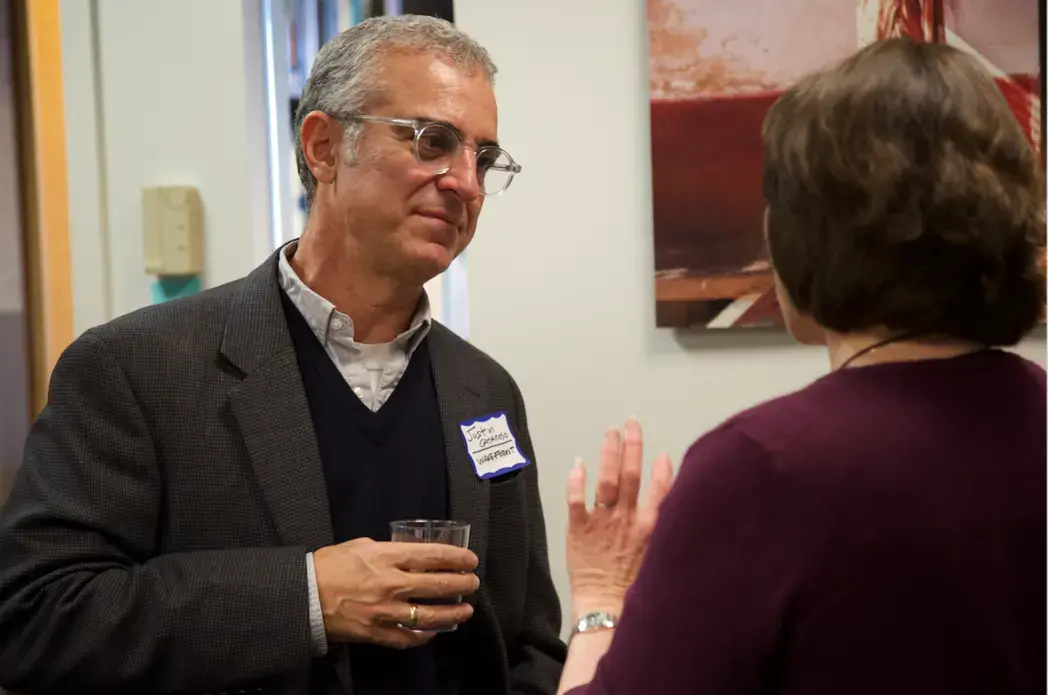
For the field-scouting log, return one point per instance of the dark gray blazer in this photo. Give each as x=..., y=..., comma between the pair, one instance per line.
x=155, y=539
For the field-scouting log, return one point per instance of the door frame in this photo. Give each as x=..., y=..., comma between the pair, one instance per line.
x=45, y=194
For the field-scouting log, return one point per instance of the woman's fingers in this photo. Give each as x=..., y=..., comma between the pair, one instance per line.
x=577, y=512
x=609, y=471
x=661, y=480
x=619, y=475
x=632, y=465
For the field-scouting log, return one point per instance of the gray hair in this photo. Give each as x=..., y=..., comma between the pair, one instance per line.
x=345, y=74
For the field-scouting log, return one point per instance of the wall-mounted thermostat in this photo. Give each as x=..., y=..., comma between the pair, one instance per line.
x=173, y=231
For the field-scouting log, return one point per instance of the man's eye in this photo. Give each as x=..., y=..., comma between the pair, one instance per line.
x=433, y=143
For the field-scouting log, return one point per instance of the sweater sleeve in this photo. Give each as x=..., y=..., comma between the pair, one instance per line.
x=723, y=567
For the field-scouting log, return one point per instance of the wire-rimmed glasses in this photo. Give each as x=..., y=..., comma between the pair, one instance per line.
x=437, y=146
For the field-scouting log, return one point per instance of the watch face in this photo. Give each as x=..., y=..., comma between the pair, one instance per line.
x=595, y=621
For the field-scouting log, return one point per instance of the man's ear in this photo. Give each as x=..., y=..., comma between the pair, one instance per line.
x=321, y=137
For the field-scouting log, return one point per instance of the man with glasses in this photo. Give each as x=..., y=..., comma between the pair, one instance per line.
x=205, y=503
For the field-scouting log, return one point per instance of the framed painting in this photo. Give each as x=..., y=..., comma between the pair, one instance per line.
x=714, y=69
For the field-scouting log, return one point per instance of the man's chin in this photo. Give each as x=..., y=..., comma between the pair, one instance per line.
x=430, y=260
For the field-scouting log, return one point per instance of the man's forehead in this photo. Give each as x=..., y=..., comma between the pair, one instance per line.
x=434, y=88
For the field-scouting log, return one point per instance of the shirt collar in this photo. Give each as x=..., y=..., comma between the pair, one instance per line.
x=319, y=312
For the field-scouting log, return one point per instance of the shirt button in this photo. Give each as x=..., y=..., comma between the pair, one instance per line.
x=336, y=325
x=359, y=391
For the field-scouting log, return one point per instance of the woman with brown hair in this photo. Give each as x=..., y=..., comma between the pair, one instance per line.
x=883, y=529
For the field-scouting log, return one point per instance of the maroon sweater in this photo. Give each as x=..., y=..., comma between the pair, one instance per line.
x=881, y=531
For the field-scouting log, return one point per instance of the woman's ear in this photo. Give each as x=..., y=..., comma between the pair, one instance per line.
x=802, y=327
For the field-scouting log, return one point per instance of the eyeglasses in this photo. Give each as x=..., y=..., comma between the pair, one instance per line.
x=437, y=146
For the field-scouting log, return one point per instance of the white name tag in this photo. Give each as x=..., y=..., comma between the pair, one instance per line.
x=491, y=446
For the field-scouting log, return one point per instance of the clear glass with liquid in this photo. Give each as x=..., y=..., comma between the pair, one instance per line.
x=445, y=531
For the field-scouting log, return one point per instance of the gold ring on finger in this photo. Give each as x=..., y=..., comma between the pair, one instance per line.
x=413, y=616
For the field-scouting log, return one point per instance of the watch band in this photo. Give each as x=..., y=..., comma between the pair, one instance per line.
x=592, y=622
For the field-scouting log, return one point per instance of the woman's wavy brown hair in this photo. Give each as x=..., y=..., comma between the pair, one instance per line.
x=904, y=195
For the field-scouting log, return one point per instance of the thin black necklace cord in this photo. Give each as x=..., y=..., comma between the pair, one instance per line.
x=879, y=344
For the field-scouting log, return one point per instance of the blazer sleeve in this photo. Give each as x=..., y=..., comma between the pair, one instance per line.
x=536, y=664
x=86, y=601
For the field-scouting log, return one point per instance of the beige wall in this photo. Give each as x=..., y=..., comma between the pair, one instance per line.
x=166, y=93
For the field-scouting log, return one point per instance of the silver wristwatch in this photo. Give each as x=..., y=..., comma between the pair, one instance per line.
x=591, y=622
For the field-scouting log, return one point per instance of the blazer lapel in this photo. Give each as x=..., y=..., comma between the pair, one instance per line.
x=460, y=401
x=271, y=409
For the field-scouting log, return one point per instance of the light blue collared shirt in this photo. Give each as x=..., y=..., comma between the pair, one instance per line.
x=372, y=370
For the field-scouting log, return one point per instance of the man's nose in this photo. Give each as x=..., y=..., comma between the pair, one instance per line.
x=462, y=176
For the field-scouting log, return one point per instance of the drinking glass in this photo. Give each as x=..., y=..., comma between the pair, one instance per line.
x=445, y=531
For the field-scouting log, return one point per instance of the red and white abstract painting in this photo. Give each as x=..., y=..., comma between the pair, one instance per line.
x=714, y=68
